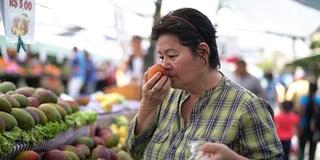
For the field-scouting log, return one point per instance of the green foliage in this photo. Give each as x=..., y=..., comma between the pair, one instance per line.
x=266, y=65
x=315, y=44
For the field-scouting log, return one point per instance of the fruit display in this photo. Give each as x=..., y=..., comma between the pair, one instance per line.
x=30, y=115
x=104, y=145
x=34, y=115
x=107, y=100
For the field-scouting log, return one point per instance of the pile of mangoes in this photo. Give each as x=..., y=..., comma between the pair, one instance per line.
x=101, y=146
x=26, y=107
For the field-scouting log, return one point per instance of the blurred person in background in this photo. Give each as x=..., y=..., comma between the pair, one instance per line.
x=195, y=102
x=65, y=72
x=110, y=74
x=130, y=71
x=90, y=80
x=269, y=87
x=286, y=123
x=299, y=87
x=308, y=104
x=247, y=80
x=78, y=73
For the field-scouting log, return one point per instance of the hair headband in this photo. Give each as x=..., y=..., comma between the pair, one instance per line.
x=189, y=25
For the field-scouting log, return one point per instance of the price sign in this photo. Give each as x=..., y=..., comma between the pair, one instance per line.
x=19, y=19
x=22, y=4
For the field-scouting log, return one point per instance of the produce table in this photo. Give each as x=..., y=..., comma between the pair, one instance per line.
x=104, y=119
x=129, y=110
x=63, y=138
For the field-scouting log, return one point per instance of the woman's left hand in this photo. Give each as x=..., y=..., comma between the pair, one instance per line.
x=219, y=151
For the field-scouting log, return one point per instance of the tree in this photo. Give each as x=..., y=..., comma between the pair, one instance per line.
x=149, y=58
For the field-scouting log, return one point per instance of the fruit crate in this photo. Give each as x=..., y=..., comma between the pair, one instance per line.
x=63, y=138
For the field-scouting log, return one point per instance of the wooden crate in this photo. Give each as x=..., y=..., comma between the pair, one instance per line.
x=130, y=92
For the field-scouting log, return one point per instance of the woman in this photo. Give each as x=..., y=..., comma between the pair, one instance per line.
x=195, y=102
x=307, y=126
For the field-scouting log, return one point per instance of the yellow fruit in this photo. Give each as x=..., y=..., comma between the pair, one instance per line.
x=100, y=97
x=106, y=105
x=122, y=142
x=114, y=128
x=122, y=132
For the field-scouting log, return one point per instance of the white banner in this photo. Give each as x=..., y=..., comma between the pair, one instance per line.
x=19, y=20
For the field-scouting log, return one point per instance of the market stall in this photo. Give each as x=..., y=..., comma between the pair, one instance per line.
x=65, y=122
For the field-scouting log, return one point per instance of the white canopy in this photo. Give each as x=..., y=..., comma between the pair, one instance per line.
x=104, y=26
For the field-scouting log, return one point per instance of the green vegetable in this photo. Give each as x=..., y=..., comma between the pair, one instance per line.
x=48, y=131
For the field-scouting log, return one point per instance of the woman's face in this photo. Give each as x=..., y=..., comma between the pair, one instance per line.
x=182, y=66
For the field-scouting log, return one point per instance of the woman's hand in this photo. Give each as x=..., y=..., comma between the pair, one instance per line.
x=154, y=90
x=153, y=93
x=219, y=151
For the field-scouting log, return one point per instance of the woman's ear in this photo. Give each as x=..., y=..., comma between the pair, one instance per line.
x=204, y=50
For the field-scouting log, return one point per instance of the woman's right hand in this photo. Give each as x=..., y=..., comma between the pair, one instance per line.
x=154, y=90
x=153, y=93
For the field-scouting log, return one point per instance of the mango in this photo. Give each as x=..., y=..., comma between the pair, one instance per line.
x=27, y=155
x=22, y=99
x=72, y=155
x=7, y=86
x=100, y=152
x=86, y=140
x=82, y=101
x=34, y=115
x=55, y=154
x=42, y=116
x=98, y=141
x=113, y=154
x=65, y=105
x=84, y=149
x=45, y=96
x=24, y=92
x=9, y=120
x=24, y=119
x=5, y=105
x=33, y=101
x=74, y=105
x=123, y=155
x=11, y=92
x=116, y=149
x=28, y=88
x=14, y=103
x=51, y=112
x=60, y=109
x=74, y=150
x=2, y=126
x=111, y=140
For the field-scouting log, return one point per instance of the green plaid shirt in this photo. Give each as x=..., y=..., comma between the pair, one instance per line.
x=226, y=114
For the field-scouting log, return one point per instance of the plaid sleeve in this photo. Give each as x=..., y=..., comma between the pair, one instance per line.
x=258, y=136
x=137, y=143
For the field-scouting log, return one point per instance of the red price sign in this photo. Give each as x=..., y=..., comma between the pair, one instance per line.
x=22, y=4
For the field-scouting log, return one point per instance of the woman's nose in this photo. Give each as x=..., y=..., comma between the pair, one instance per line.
x=166, y=63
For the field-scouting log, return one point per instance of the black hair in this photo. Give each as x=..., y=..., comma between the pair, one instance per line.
x=268, y=75
x=136, y=37
x=191, y=27
x=287, y=106
x=310, y=109
x=241, y=62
